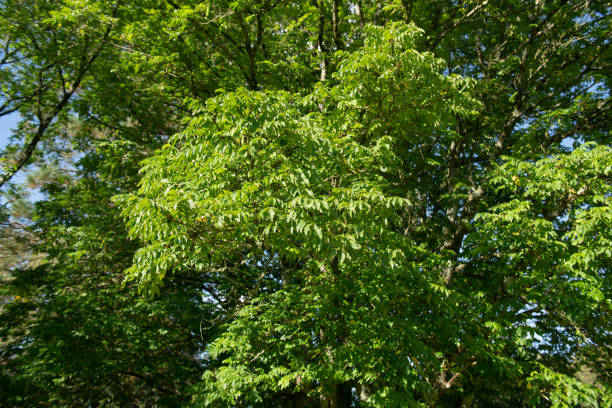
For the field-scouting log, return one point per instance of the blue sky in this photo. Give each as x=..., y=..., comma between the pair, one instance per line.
x=7, y=123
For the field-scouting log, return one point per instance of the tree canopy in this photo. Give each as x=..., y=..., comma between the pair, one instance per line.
x=321, y=203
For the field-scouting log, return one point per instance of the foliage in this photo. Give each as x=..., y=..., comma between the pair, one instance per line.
x=323, y=203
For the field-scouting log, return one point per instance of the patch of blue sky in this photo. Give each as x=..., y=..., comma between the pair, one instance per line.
x=8, y=124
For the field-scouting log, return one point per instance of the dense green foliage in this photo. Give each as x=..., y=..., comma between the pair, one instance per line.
x=307, y=204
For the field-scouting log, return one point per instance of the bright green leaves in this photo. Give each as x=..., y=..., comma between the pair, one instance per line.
x=388, y=74
x=547, y=249
x=307, y=190
x=564, y=391
x=564, y=199
x=349, y=231
x=268, y=171
x=398, y=92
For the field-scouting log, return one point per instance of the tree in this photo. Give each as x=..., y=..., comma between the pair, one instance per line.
x=354, y=203
x=43, y=65
x=73, y=336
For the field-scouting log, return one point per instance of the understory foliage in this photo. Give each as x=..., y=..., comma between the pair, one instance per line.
x=309, y=204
